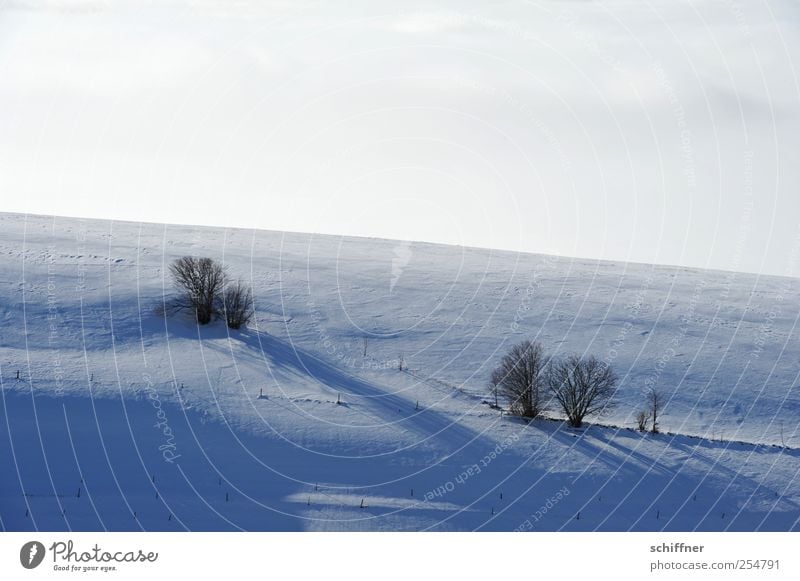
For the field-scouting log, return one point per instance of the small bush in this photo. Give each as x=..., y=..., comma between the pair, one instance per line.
x=642, y=418
x=237, y=305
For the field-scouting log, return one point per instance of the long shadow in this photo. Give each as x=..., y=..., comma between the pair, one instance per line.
x=390, y=408
x=100, y=464
x=598, y=454
x=717, y=466
x=650, y=464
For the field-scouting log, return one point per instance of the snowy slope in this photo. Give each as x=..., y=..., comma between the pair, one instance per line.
x=161, y=425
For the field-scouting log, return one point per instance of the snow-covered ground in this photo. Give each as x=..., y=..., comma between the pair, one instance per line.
x=165, y=426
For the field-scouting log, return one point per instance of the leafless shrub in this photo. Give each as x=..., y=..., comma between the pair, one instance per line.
x=237, y=305
x=642, y=419
x=519, y=378
x=581, y=386
x=200, y=282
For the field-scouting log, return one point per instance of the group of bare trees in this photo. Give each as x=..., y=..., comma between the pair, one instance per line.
x=532, y=382
x=206, y=290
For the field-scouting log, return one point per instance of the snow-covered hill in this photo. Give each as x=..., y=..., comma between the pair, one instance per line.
x=162, y=425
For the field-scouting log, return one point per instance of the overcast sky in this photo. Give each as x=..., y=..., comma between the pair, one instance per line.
x=665, y=131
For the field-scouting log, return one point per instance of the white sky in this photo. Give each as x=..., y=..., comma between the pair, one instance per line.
x=665, y=131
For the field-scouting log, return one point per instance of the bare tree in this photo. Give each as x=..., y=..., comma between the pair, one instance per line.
x=200, y=282
x=642, y=418
x=655, y=401
x=581, y=386
x=495, y=391
x=237, y=305
x=520, y=379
